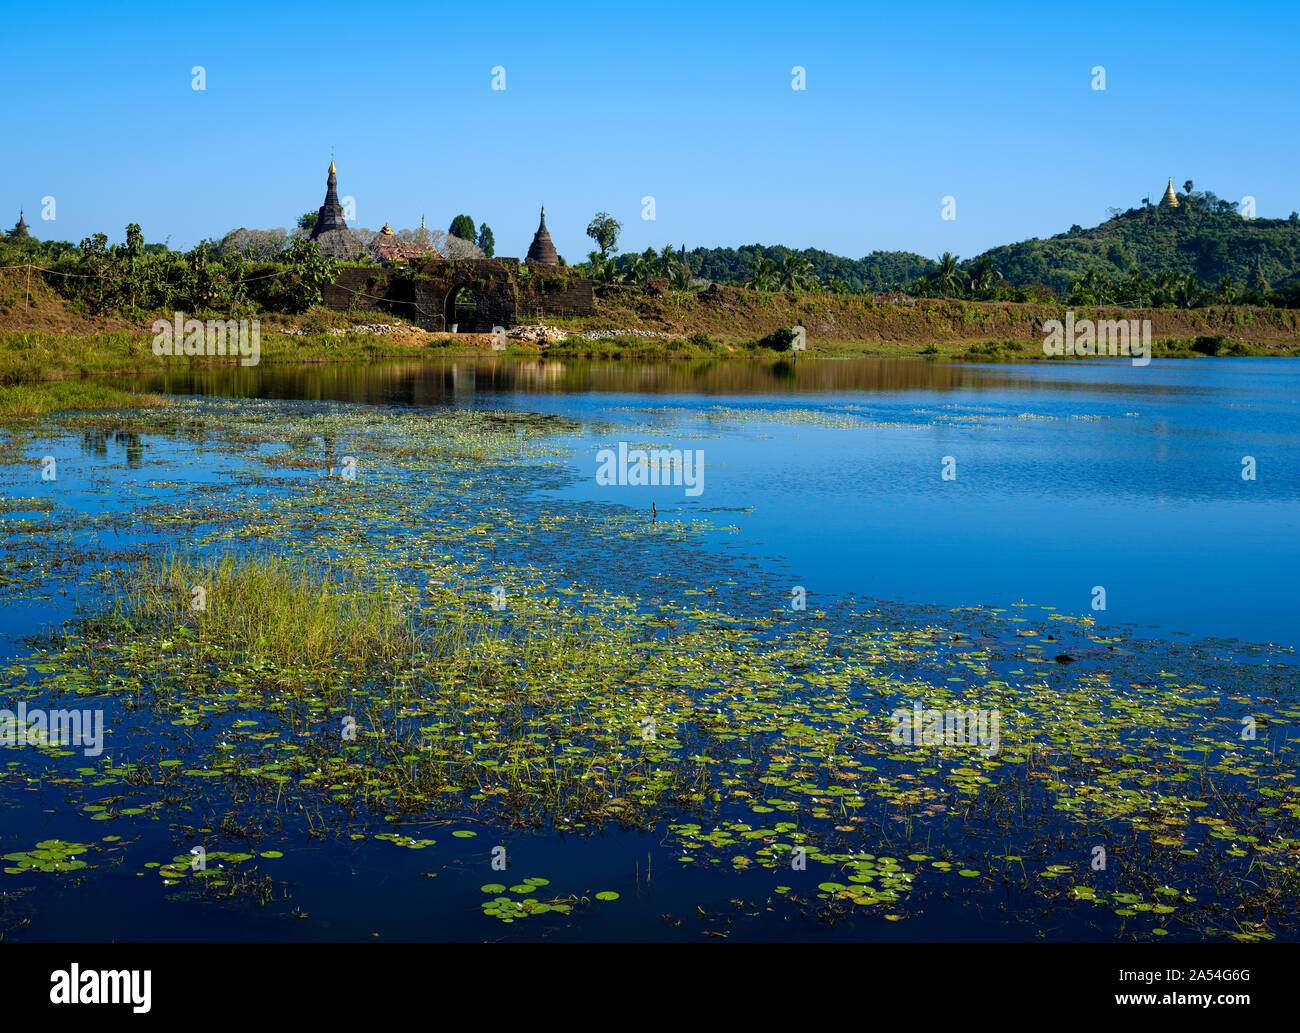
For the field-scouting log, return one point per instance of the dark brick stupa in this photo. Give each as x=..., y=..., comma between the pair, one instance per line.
x=331, y=229
x=21, y=229
x=542, y=250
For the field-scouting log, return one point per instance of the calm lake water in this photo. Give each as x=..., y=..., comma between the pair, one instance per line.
x=1067, y=477
x=824, y=476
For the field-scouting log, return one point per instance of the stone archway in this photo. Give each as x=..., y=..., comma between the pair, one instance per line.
x=461, y=309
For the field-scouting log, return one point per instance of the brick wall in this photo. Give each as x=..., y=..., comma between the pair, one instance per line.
x=425, y=298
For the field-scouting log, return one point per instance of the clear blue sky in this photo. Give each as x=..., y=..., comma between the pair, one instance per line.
x=606, y=103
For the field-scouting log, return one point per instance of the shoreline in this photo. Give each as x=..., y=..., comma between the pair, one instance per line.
x=43, y=371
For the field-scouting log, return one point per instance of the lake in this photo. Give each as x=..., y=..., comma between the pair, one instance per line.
x=668, y=705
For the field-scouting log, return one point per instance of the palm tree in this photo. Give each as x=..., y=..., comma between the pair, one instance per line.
x=1189, y=292
x=1162, y=288
x=985, y=277
x=946, y=277
x=764, y=278
x=796, y=273
x=635, y=270
x=667, y=262
x=1134, y=289
x=1229, y=292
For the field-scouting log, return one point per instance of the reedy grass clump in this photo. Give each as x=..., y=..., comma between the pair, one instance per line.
x=276, y=608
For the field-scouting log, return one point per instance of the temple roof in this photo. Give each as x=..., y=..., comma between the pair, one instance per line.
x=1170, y=198
x=542, y=250
x=21, y=229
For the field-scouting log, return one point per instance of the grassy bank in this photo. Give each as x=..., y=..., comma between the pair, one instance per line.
x=43, y=371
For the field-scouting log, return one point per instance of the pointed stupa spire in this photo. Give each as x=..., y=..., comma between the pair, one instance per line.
x=1170, y=198
x=331, y=232
x=330, y=216
x=21, y=229
x=542, y=250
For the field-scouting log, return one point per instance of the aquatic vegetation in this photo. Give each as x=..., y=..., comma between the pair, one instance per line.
x=428, y=657
x=49, y=855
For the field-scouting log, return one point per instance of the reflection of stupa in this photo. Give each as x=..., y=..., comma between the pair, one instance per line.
x=331, y=229
x=1170, y=199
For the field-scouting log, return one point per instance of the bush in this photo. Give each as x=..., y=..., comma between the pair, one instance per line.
x=781, y=339
x=1210, y=345
x=702, y=340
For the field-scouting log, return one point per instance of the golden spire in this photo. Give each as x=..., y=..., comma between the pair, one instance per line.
x=332, y=168
x=1170, y=198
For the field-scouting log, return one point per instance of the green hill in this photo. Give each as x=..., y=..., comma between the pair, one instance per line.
x=1203, y=237
x=1197, y=237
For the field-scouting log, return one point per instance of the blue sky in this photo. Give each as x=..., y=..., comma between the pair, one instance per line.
x=607, y=103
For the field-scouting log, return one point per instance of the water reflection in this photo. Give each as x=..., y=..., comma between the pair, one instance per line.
x=96, y=441
x=454, y=381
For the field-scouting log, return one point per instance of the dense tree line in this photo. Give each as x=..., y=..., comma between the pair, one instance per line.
x=139, y=278
x=1202, y=252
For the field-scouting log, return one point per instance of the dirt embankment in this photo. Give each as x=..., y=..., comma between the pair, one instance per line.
x=728, y=314
x=735, y=315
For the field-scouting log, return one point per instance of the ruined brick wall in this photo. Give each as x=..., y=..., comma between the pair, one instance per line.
x=554, y=291
x=424, y=295
x=372, y=288
x=490, y=281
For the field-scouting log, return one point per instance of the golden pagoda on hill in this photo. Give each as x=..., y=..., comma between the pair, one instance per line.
x=1170, y=199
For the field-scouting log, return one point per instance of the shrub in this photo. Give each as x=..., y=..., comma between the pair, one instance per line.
x=781, y=339
x=1210, y=345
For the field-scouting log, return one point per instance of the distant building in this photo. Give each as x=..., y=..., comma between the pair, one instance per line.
x=1170, y=200
x=387, y=247
x=542, y=250
x=21, y=229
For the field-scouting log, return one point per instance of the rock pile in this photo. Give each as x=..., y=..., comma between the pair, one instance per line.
x=364, y=328
x=538, y=334
x=597, y=335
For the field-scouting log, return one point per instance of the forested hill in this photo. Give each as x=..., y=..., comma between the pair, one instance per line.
x=1204, y=240
x=1204, y=236
x=879, y=271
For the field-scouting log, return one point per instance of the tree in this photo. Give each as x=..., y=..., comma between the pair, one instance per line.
x=764, y=278
x=637, y=270
x=796, y=273
x=307, y=220
x=668, y=262
x=604, y=230
x=946, y=277
x=486, y=242
x=985, y=277
x=463, y=226
x=308, y=273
